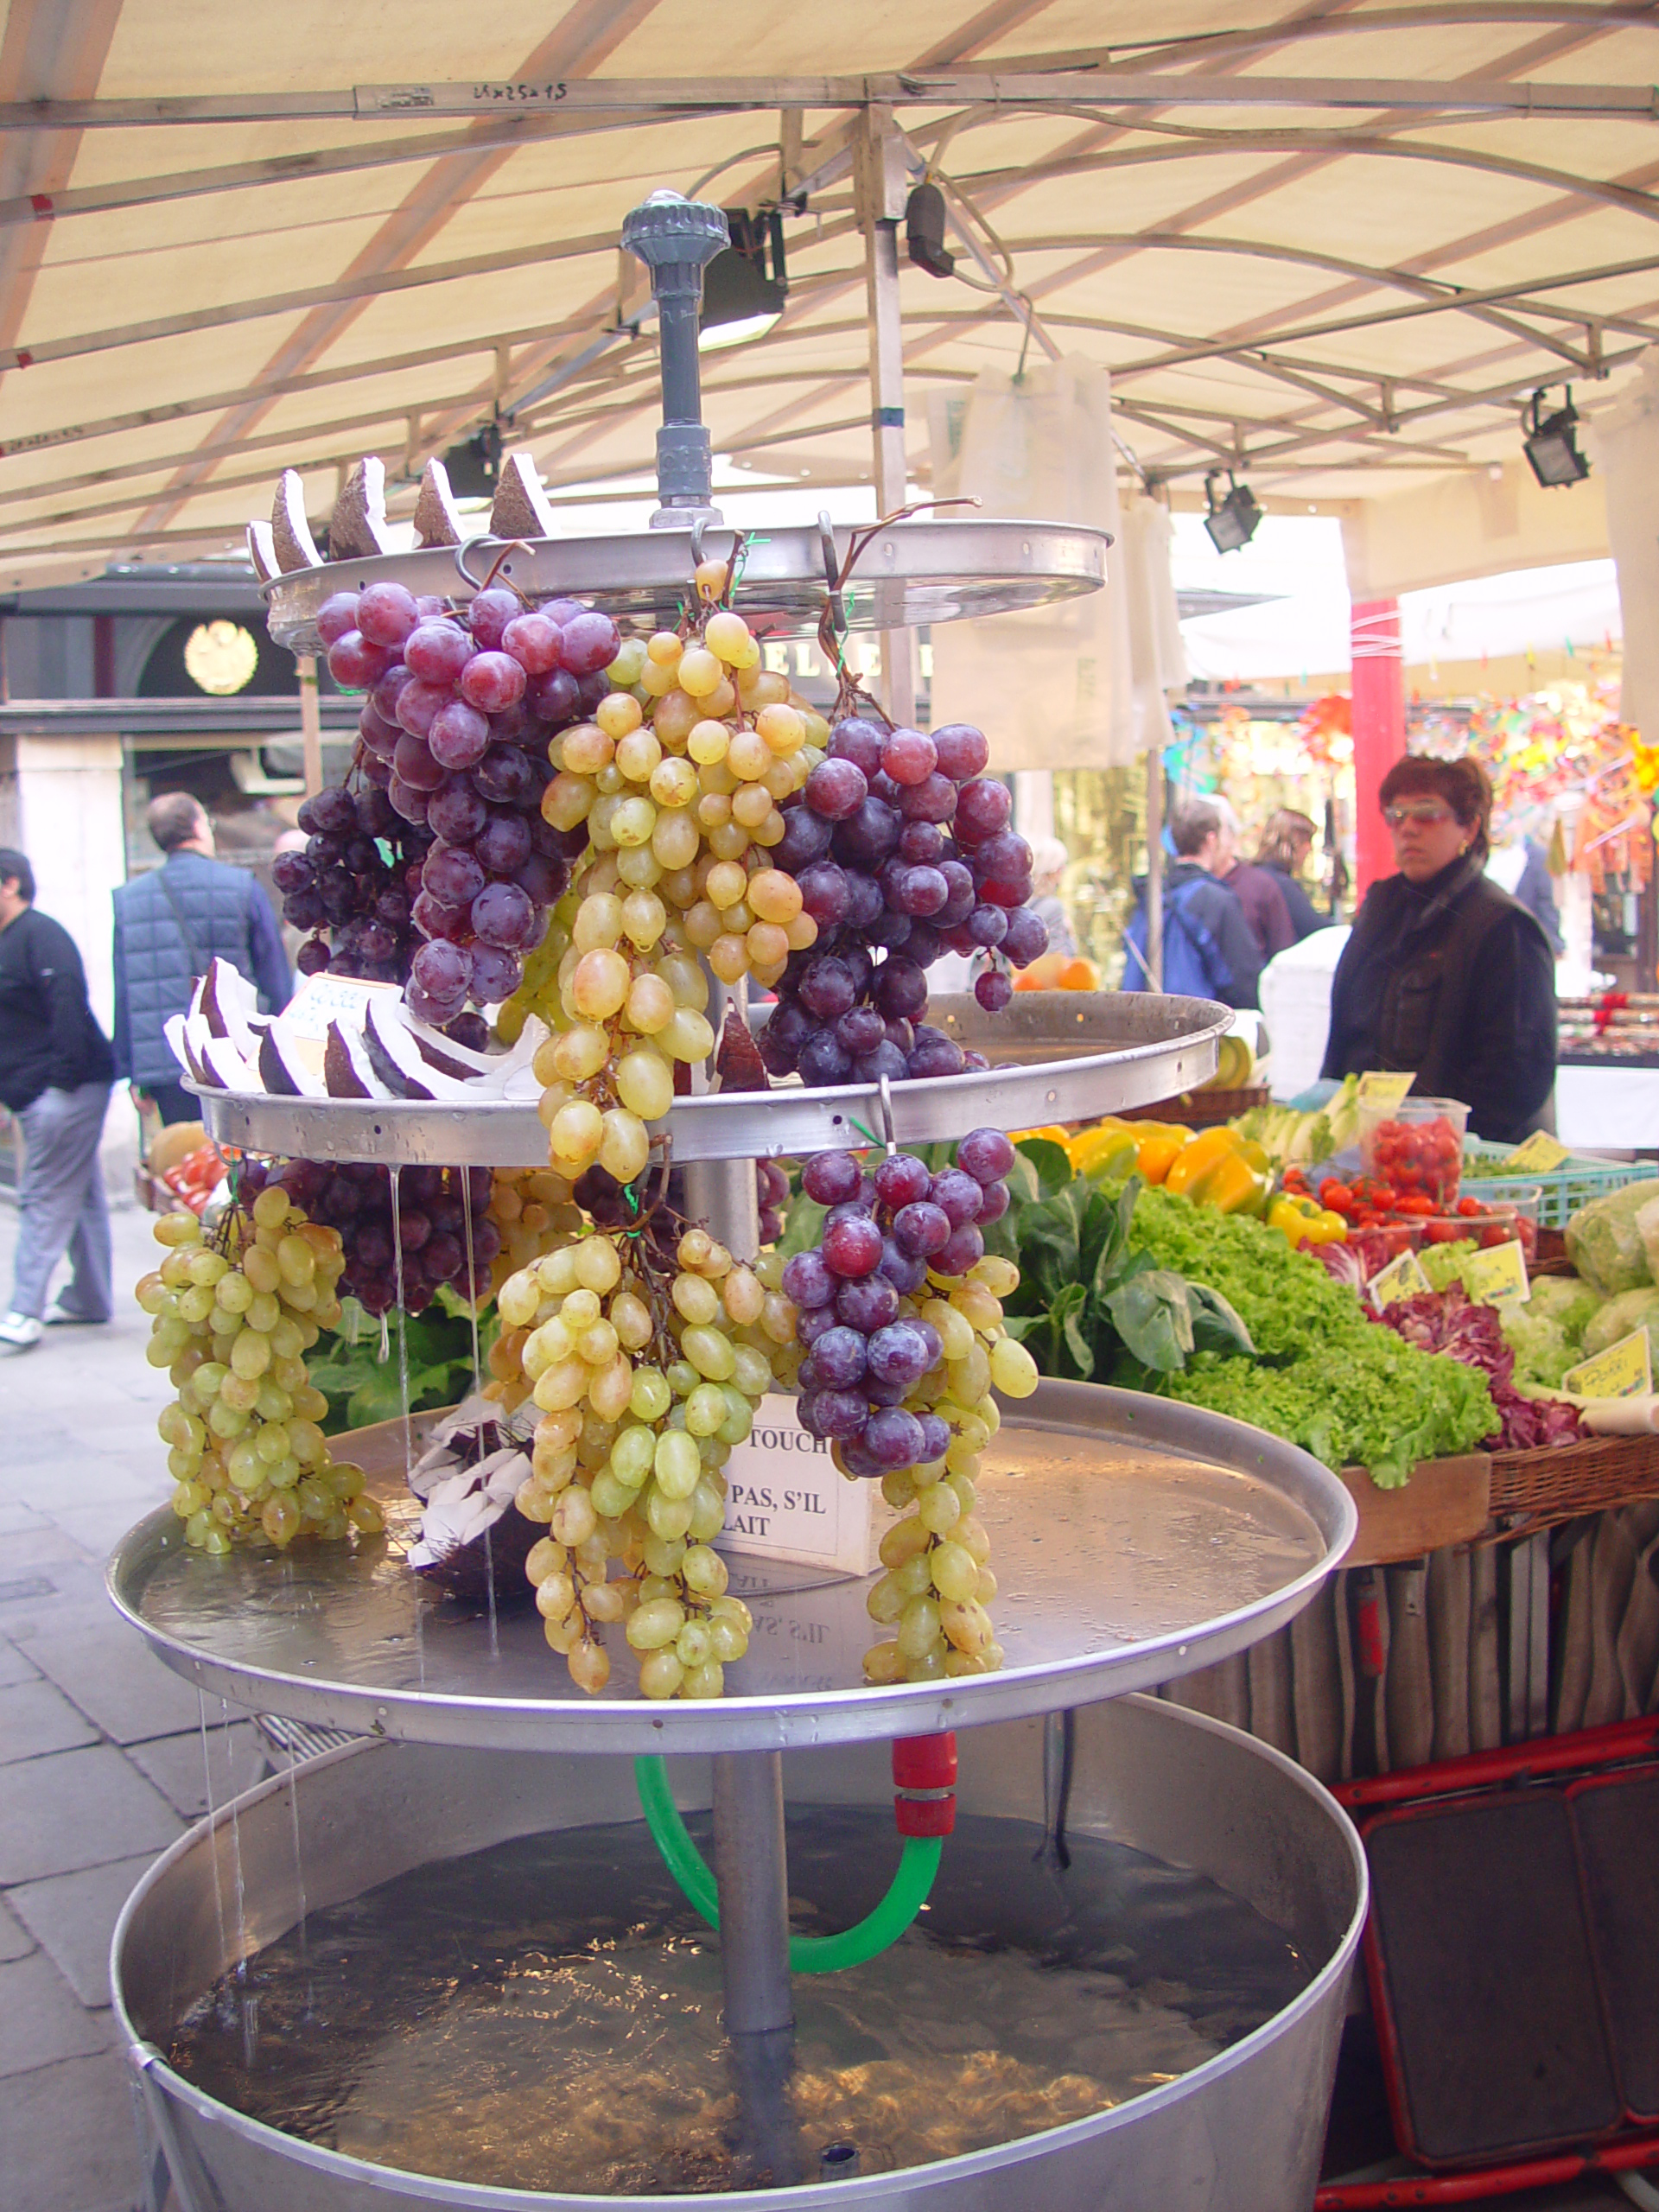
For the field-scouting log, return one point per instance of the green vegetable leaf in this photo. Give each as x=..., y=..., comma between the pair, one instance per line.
x=1152, y=1315
x=1052, y=1168
x=803, y=1226
x=1216, y=1326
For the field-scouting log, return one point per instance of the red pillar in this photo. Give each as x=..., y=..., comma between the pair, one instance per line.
x=1379, y=695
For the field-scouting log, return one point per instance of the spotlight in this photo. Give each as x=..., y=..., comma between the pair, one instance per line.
x=1550, y=448
x=1231, y=521
x=925, y=230
x=741, y=300
x=474, y=464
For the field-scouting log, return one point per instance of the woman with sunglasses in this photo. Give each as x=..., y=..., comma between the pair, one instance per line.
x=1445, y=973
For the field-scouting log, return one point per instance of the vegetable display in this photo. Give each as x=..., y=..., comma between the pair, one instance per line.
x=1447, y=1321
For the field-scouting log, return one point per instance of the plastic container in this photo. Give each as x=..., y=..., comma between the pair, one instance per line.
x=1514, y=1219
x=1416, y=1147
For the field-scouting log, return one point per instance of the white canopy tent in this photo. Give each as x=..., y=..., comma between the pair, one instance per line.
x=1336, y=250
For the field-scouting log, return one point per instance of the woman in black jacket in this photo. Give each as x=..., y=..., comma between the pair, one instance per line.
x=1445, y=973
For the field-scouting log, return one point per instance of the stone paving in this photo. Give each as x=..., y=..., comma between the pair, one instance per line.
x=101, y=1752
x=101, y=1762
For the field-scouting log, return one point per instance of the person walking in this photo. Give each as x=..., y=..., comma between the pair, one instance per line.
x=168, y=925
x=1445, y=973
x=1210, y=951
x=1256, y=889
x=1282, y=854
x=56, y=1072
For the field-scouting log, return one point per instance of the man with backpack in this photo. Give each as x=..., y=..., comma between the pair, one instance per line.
x=168, y=925
x=1209, y=949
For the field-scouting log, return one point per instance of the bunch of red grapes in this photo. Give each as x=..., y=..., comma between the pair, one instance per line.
x=455, y=730
x=436, y=1206
x=344, y=882
x=901, y=848
x=867, y=1346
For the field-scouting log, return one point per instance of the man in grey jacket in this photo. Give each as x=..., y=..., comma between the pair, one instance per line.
x=168, y=925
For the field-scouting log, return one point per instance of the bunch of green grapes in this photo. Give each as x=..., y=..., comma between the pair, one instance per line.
x=233, y=1313
x=939, y=1582
x=533, y=1209
x=678, y=780
x=646, y=1377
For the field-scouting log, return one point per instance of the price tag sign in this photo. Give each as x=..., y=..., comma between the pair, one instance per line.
x=1540, y=1154
x=1401, y=1277
x=322, y=999
x=1498, y=1275
x=786, y=1498
x=1624, y=1370
x=1385, y=1088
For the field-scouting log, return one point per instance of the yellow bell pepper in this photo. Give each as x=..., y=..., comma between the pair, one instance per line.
x=1052, y=1130
x=1156, y=1153
x=1305, y=1221
x=1229, y=1185
x=1094, y=1150
x=1201, y=1154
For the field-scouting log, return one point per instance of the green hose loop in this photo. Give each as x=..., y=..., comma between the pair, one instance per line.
x=905, y=1896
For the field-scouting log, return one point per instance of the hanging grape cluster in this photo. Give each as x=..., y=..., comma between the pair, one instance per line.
x=233, y=1312
x=647, y=1364
x=675, y=785
x=901, y=846
x=901, y=1325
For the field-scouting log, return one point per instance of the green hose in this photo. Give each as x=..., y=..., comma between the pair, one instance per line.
x=807, y=1953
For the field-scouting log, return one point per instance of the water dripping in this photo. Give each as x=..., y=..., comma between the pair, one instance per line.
x=489, y=1584
x=403, y=1326
x=213, y=1847
x=465, y=1174
x=241, y=1946
x=299, y=1875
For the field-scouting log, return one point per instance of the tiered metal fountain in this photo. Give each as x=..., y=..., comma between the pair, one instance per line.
x=1135, y=1540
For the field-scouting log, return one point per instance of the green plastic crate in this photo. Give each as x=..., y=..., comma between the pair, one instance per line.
x=1565, y=1189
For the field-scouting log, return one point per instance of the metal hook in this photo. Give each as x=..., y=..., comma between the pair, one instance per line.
x=887, y=1129
x=832, y=572
x=462, y=551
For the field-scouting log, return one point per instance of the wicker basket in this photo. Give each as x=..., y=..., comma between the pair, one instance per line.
x=1559, y=1483
x=1200, y=1109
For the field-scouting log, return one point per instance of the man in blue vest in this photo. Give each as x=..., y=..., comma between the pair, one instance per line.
x=1210, y=951
x=168, y=925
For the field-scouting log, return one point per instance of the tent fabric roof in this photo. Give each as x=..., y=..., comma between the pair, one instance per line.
x=226, y=248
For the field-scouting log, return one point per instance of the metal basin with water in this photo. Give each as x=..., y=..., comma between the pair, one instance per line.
x=1241, y=2133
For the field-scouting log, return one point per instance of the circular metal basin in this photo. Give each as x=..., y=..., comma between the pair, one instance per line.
x=1057, y=1056
x=1241, y=2133
x=1133, y=1539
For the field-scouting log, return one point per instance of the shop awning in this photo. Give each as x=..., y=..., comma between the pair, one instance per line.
x=1336, y=250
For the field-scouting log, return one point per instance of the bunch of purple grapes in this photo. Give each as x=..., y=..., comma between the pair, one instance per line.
x=901, y=846
x=455, y=731
x=344, y=882
x=867, y=1345
x=430, y=1224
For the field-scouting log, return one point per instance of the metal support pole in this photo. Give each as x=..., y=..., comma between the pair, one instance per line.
x=1155, y=865
x=677, y=238
x=882, y=183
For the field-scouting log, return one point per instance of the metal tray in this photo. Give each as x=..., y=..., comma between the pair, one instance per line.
x=1149, y=1047
x=1134, y=1540
x=910, y=573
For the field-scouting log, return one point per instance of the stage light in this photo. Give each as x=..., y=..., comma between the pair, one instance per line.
x=925, y=230
x=1231, y=521
x=741, y=300
x=1550, y=448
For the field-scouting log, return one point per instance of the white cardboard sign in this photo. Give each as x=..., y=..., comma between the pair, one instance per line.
x=787, y=1499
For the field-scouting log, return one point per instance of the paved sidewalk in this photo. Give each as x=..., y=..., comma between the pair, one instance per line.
x=100, y=1745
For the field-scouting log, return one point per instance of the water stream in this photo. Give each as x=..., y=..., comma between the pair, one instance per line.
x=545, y=2013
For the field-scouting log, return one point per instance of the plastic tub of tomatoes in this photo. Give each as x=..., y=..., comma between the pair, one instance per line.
x=1416, y=1147
x=1486, y=1223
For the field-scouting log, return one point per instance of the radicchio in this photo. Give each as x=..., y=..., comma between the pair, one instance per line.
x=1449, y=1321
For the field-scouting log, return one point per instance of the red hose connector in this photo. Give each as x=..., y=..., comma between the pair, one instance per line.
x=925, y=1784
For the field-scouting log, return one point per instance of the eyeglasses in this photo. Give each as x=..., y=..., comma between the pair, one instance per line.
x=1427, y=814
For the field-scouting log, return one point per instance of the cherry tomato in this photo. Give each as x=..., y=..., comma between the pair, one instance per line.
x=1470, y=1208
